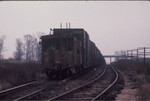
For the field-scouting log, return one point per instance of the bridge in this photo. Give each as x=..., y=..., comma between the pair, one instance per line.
x=117, y=57
x=138, y=54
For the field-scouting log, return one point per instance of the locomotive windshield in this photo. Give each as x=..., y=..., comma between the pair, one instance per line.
x=58, y=44
x=55, y=43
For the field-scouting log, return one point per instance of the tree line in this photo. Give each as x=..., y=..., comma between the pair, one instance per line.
x=27, y=49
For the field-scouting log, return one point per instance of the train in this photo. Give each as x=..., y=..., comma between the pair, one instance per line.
x=68, y=51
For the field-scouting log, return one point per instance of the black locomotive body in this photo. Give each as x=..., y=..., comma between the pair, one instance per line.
x=68, y=51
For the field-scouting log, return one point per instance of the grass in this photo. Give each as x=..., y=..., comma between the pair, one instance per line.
x=141, y=75
x=12, y=74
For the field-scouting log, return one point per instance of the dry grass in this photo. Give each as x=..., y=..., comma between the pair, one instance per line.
x=12, y=74
x=141, y=75
x=144, y=91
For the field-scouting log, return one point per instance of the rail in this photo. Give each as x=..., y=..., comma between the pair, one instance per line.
x=39, y=90
x=116, y=78
x=17, y=87
x=35, y=92
x=70, y=91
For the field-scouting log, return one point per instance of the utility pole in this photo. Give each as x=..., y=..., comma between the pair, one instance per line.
x=110, y=59
x=131, y=54
x=144, y=54
x=127, y=53
x=137, y=55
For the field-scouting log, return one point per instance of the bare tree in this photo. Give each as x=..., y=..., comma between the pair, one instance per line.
x=36, y=49
x=27, y=47
x=39, y=48
x=19, y=50
x=32, y=48
x=2, y=38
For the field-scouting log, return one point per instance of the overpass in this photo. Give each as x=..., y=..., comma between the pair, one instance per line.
x=117, y=57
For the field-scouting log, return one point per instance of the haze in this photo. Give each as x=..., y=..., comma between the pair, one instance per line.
x=111, y=25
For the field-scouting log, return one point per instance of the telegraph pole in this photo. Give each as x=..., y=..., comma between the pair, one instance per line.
x=137, y=55
x=110, y=59
x=131, y=55
x=127, y=53
x=144, y=55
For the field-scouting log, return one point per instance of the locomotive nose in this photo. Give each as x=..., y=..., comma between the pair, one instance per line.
x=54, y=56
x=51, y=55
x=57, y=58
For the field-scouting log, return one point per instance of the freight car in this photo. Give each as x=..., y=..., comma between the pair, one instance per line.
x=68, y=51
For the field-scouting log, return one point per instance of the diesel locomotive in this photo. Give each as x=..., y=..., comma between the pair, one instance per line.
x=68, y=51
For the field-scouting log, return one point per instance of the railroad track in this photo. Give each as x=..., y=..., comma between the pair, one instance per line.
x=34, y=94
x=15, y=92
x=93, y=90
x=76, y=81
x=7, y=91
x=59, y=87
x=37, y=91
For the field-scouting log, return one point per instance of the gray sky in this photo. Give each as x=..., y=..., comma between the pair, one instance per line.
x=112, y=25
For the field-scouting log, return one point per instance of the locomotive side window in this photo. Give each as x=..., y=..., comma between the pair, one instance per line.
x=78, y=51
x=65, y=44
x=46, y=44
x=52, y=43
x=57, y=41
x=68, y=44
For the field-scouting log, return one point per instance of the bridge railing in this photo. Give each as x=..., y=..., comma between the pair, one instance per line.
x=140, y=54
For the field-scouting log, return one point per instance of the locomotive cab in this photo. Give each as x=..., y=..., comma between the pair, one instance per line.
x=60, y=54
x=68, y=51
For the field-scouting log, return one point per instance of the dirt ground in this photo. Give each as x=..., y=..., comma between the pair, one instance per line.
x=130, y=92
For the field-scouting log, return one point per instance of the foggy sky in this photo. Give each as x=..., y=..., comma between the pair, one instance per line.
x=111, y=25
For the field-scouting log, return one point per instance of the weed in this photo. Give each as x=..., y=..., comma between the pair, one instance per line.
x=18, y=73
x=139, y=73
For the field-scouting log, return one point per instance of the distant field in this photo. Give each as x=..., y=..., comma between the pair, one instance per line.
x=12, y=74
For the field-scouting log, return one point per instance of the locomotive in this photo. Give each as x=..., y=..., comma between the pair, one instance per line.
x=67, y=52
